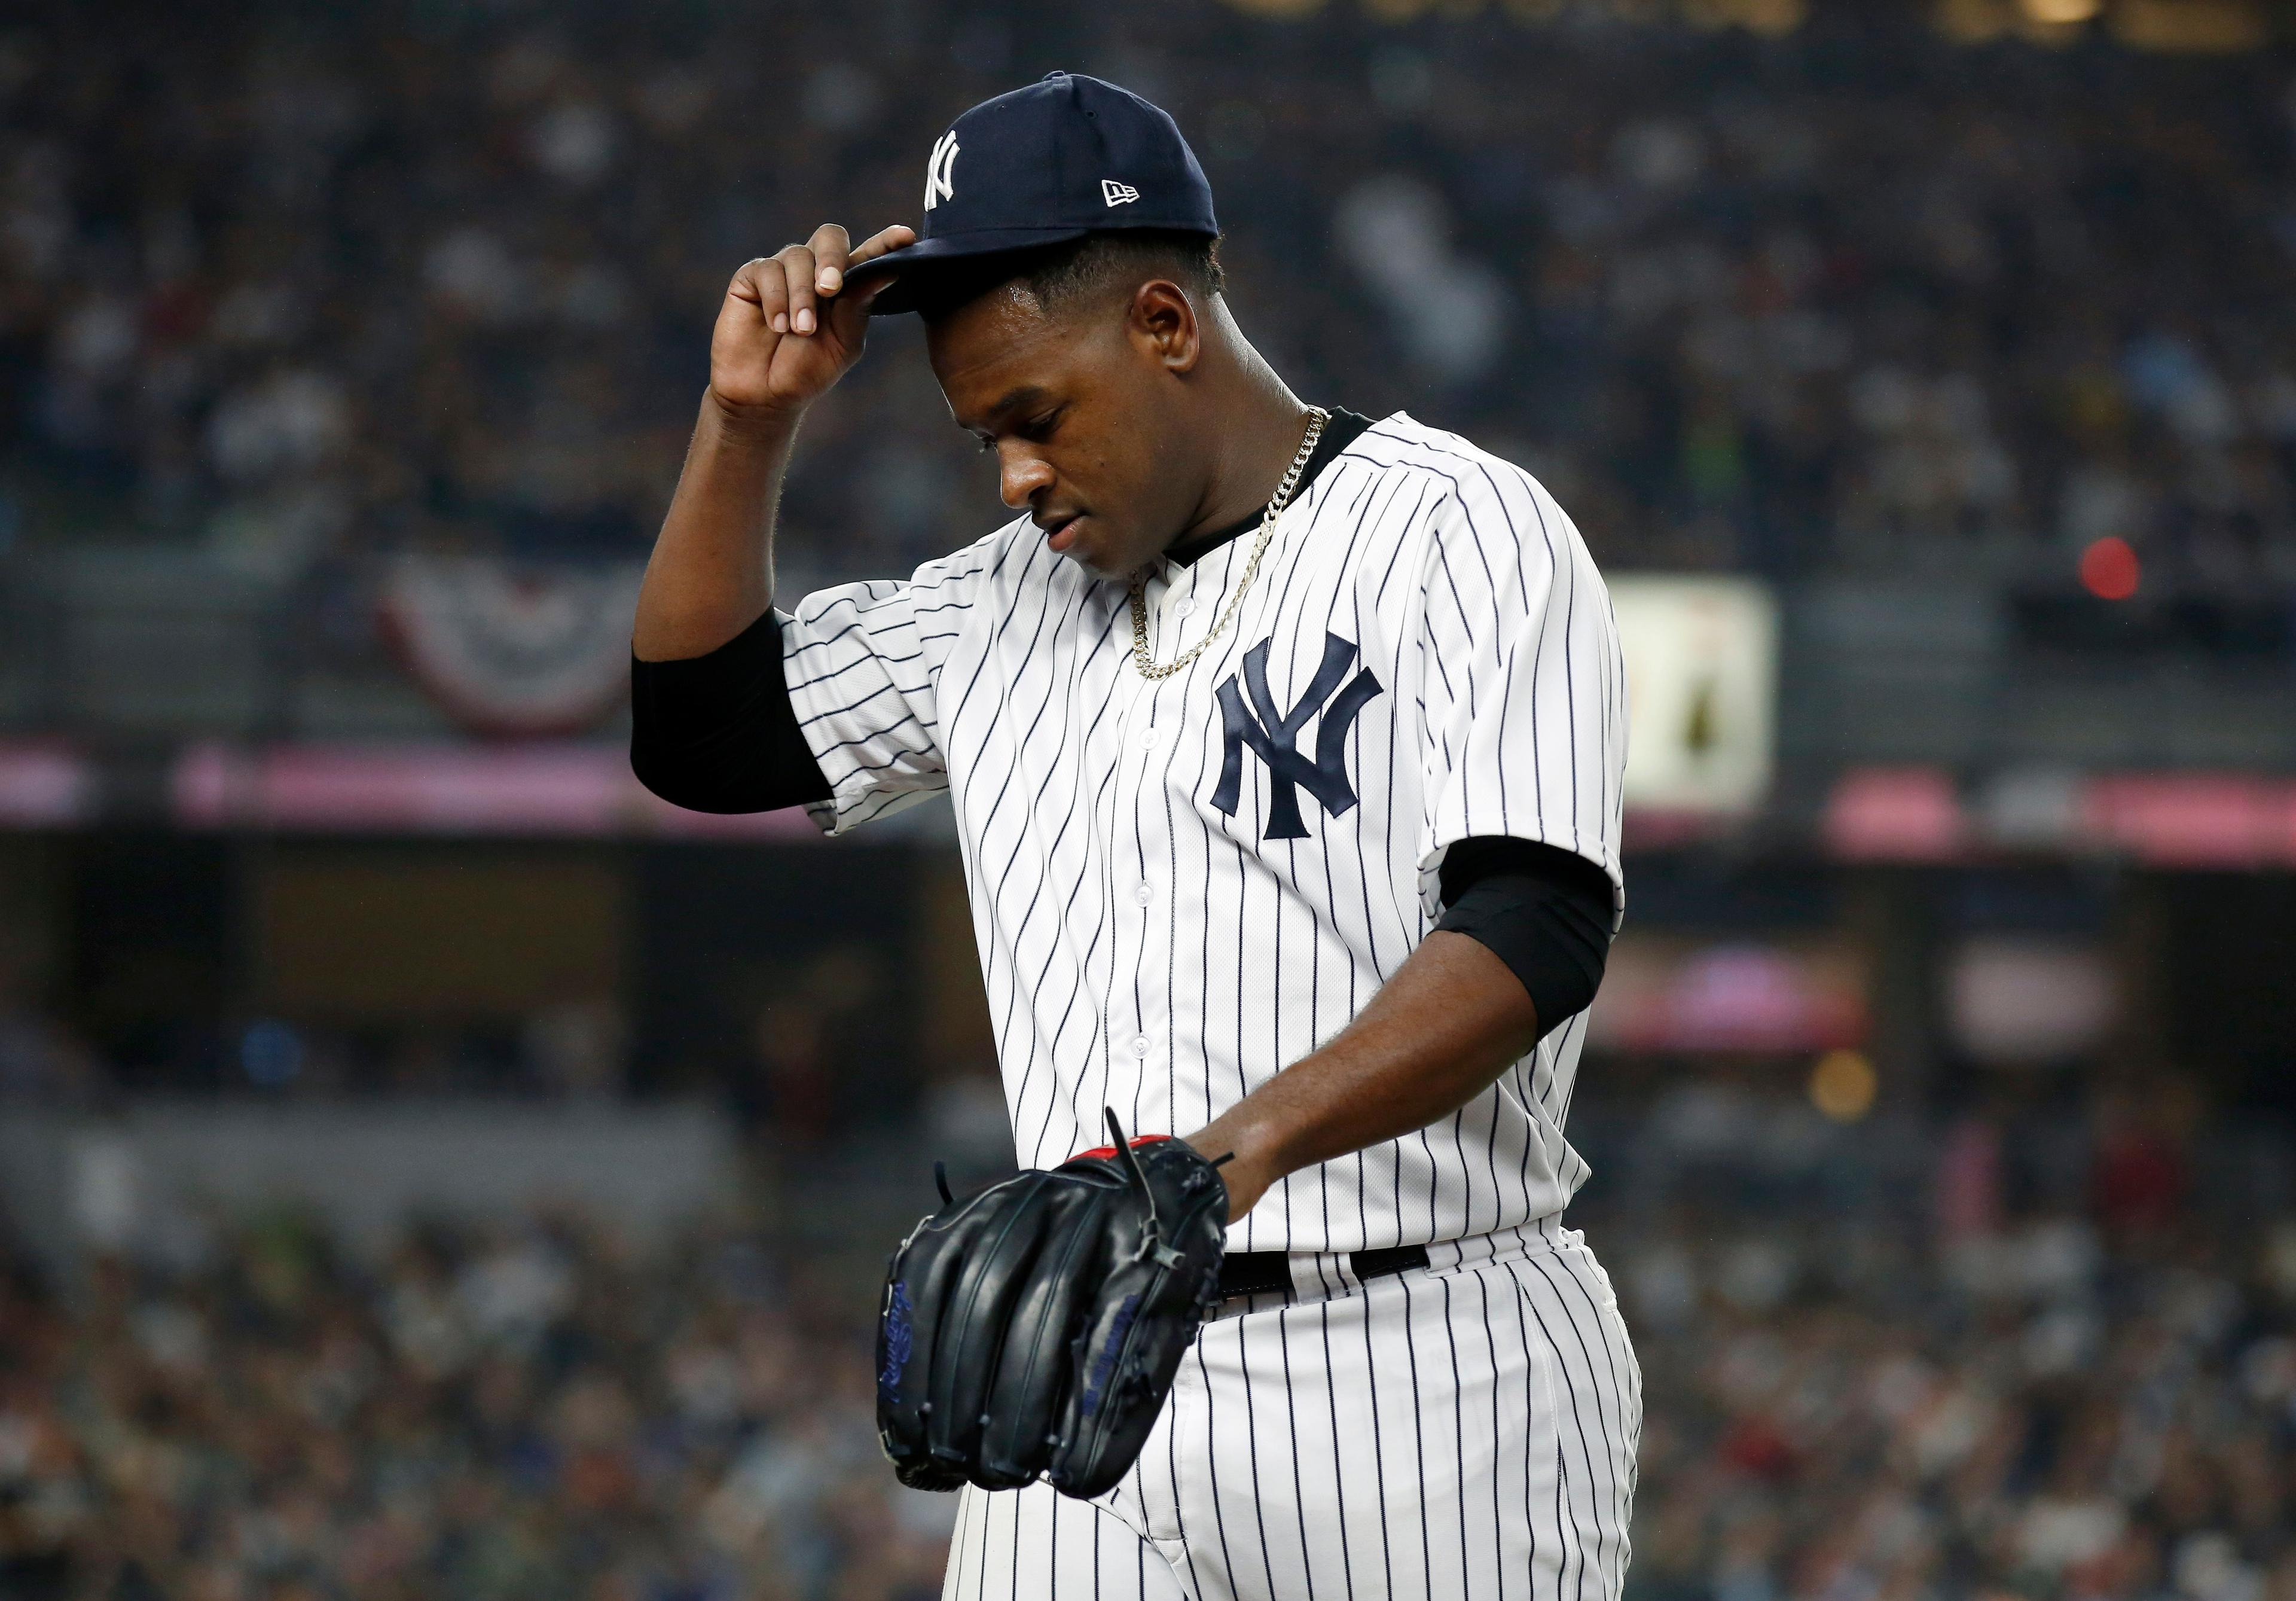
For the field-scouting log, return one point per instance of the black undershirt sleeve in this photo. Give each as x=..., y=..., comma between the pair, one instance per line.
x=717, y=733
x=1543, y=911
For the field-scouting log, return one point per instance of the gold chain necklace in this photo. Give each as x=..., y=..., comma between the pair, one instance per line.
x=1316, y=417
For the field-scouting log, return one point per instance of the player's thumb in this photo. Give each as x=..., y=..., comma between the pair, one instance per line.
x=849, y=314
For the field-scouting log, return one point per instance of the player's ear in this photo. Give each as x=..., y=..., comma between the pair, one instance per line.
x=1161, y=322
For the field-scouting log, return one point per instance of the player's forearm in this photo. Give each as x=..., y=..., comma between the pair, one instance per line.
x=1435, y=1035
x=711, y=574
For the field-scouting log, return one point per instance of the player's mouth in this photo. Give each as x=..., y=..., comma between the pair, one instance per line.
x=1062, y=534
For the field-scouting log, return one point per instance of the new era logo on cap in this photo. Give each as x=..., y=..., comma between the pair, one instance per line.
x=1113, y=194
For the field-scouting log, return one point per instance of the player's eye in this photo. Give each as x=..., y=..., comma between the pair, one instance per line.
x=1036, y=431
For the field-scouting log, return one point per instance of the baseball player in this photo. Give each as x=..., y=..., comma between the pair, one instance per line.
x=1285, y=746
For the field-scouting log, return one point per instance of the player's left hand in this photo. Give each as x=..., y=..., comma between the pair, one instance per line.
x=1033, y=1331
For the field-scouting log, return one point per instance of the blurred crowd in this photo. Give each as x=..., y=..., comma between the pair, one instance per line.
x=464, y=1417
x=2078, y=1404
x=303, y=283
x=2064, y=1375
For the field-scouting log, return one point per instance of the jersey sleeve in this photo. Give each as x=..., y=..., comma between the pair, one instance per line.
x=1525, y=722
x=861, y=681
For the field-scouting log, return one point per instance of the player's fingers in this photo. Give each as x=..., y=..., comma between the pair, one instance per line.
x=797, y=268
x=744, y=286
x=899, y=236
x=763, y=283
x=829, y=245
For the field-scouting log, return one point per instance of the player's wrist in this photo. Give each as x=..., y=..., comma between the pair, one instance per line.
x=1246, y=1185
x=760, y=422
x=1252, y=1166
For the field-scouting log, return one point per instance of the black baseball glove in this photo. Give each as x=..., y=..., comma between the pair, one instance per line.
x=1032, y=1331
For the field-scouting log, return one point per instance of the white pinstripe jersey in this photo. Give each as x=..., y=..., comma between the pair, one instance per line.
x=1180, y=887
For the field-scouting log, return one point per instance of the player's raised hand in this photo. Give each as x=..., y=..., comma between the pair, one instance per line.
x=786, y=331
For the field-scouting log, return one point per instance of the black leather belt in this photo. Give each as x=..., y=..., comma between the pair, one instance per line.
x=1270, y=1272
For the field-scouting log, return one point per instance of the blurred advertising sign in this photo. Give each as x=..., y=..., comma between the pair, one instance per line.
x=43, y=786
x=560, y=789
x=1896, y=814
x=2220, y=821
x=1664, y=993
x=1702, y=691
x=2016, y=1000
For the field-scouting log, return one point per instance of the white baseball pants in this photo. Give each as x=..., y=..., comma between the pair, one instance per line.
x=1463, y=1431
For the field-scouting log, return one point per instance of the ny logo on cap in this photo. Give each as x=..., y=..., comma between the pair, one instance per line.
x=940, y=170
x=1114, y=194
x=1274, y=737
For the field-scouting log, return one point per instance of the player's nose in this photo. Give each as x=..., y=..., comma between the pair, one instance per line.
x=1021, y=476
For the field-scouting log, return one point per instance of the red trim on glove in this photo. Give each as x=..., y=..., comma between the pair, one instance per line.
x=1137, y=1141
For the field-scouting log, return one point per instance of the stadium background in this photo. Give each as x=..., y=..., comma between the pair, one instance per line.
x=431, y=1169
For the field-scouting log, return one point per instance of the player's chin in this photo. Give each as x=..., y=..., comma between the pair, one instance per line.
x=1082, y=542
x=1100, y=570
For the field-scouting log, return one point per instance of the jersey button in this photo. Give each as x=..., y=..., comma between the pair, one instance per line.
x=1147, y=739
x=1186, y=608
x=1140, y=1045
x=1143, y=894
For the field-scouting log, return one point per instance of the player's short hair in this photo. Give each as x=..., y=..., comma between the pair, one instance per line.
x=1058, y=275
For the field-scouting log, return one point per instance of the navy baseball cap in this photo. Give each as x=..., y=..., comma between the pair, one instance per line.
x=1065, y=157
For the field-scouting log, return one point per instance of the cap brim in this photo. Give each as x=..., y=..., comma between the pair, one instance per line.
x=915, y=268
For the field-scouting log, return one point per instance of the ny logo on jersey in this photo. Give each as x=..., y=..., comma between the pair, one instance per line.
x=940, y=170
x=1274, y=737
